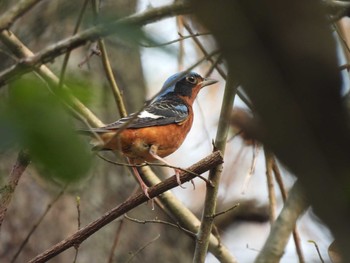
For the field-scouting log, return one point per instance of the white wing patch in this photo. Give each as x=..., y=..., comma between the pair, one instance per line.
x=146, y=114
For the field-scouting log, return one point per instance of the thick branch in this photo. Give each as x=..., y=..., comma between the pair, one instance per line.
x=77, y=238
x=283, y=227
x=92, y=34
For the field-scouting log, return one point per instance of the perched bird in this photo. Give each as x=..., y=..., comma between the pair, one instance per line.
x=160, y=128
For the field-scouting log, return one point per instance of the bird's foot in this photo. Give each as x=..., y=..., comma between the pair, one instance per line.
x=178, y=180
x=194, y=186
x=145, y=188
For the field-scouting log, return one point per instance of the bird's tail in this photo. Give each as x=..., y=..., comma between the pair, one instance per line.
x=85, y=132
x=97, y=144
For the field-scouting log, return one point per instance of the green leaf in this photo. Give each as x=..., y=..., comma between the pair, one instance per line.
x=39, y=123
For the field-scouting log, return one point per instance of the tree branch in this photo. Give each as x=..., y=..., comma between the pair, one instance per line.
x=108, y=68
x=78, y=237
x=157, y=221
x=270, y=185
x=296, y=237
x=215, y=174
x=92, y=34
x=283, y=227
x=23, y=160
x=67, y=55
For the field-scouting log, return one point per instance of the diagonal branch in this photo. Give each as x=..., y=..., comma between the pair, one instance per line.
x=78, y=237
x=296, y=236
x=283, y=227
x=91, y=34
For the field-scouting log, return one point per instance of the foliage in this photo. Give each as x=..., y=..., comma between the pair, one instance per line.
x=35, y=120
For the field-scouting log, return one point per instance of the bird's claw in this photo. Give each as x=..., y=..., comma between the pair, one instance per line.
x=177, y=174
x=145, y=190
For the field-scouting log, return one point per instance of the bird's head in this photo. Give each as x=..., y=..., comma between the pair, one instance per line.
x=185, y=86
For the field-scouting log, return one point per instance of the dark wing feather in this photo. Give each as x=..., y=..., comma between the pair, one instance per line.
x=158, y=113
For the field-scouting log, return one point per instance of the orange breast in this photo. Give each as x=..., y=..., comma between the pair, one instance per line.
x=135, y=143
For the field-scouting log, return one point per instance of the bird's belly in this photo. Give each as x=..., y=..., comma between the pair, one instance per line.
x=136, y=143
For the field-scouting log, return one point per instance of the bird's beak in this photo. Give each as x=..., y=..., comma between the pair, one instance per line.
x=207, y=82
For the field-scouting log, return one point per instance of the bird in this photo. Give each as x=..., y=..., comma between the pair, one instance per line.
x=157, y=130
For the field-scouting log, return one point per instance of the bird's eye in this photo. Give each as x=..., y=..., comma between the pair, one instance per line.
x=191, y=80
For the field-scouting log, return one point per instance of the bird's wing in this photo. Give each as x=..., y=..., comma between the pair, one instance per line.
x=156, y=114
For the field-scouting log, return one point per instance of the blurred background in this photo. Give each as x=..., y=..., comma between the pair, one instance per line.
x=140, y=66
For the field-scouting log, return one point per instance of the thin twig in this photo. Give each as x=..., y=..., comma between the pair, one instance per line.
x=270, y=185
x=279, y=180
x=93, y=50
x=154, y=164
x=256, y=149
x=23, y=160
x=205, y=230
x=108, y=68
x=214, y=65
x=78, y=212
x=35, y=226
x=115, y=242
x=8, y=54
x=317, y=249
x=180, y=39
x=225, y=211
x=132, y=202
x=79, y=225
x=157, y=221
x=142, y=248
x=66, y=57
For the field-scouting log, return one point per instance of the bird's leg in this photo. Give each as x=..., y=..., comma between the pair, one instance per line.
x=153, y=152
x=144, y=187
